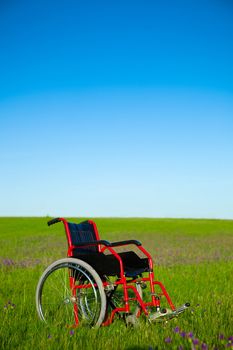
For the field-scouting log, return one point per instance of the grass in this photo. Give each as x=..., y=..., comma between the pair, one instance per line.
x=193, y=258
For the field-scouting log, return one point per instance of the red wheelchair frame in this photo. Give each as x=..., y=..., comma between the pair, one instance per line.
x=128, y=284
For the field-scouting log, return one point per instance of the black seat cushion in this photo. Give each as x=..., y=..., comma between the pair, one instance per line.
x=108, y=264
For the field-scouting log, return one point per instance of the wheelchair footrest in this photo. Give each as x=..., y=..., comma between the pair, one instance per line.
x=181, y=309
x=167, y=314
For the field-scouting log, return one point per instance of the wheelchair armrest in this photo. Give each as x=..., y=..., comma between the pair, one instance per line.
x=130, y=241
x=83, y=244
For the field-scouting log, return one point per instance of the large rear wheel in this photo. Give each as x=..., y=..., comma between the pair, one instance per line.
x=71, y=293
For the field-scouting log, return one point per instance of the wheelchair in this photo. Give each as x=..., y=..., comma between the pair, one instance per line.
x=96, y=283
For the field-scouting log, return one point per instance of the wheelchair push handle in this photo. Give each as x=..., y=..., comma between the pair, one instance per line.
x=53, y=221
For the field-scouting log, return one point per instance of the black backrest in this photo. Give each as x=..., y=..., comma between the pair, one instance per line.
x=80, y=233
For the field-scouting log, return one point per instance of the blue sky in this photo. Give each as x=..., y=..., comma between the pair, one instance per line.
x=116, y=108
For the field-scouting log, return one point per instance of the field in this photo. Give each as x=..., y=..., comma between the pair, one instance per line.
x=193, y=258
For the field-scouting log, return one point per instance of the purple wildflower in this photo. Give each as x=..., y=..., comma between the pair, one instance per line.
x=230, y=339
x=176, y=330
x=190, y=335
x=8, y=262
x=180, y=347
x=204, y=346
x=72, y=332
x=183, y=334
x=168, y=340
x=195, y=341
x=49, y=336
x=221, y=336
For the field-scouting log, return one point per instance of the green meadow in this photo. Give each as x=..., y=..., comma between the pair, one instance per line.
x=193, y=258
